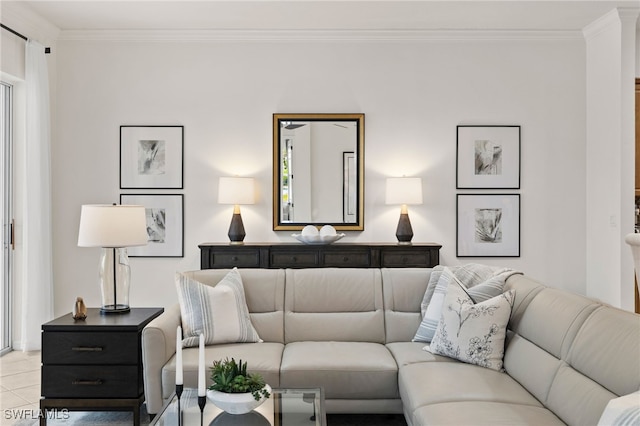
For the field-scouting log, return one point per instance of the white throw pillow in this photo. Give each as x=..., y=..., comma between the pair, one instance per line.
x=219, y=312
x=622, y=411
x=473, y=333
x=479, y=292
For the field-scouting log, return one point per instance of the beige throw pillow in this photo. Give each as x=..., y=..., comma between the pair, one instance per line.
x=219, y=312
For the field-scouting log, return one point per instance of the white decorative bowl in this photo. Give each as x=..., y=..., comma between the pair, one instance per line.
x=235, y=403
x=317, y=239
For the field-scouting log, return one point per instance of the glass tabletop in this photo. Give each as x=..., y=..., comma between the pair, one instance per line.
x=285, y=407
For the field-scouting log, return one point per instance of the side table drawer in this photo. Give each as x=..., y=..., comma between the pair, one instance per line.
x=237, y=258
x=90, y=348
x=347, y=259
x=294, y=259
x=104, y=381
x=405, y=259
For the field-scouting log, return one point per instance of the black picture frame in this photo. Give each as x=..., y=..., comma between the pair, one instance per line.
x=488, y=225
x=151, y=157
x=165, y=224
x=488, y=156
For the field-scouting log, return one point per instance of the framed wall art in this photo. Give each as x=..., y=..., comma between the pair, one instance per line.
x=165, y=224
x=488, y=157
x=151, y=157
x=488, y=225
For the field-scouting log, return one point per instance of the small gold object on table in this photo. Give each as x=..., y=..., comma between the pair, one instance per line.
x=79, y=310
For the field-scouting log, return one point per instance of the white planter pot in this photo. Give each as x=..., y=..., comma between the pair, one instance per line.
x=235, y=403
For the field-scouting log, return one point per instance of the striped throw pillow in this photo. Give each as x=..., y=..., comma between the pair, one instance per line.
x=219, y=312
x=478, y=293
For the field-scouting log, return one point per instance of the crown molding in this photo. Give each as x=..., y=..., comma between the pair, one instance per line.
x=614, y=17
x=32, y=25
x=313, y=35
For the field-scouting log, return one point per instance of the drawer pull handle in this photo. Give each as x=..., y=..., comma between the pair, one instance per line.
x=405, y=260
x=86, y=349
x=294, y=259
x=96, y=382
x=345, y=259
x=234, y=258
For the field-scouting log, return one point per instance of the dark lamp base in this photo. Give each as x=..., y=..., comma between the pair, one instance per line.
x=404, y=232
x=236, y=229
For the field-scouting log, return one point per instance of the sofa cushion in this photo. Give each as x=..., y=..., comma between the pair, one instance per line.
x=262, y=358
x=480, y=281
x=411, y=352
x=320, y=303
x=483, y=413
x=220, y=312
x=403, y=289
x=608, y=339
x=473, y=333
x=346, y=370
x=429, y=383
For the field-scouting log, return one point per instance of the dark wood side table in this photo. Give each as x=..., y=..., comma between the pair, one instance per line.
x=96, y=364
x=338, y=255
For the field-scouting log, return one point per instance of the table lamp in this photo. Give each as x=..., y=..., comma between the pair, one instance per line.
x=113, y=228
x=404, y=191
x=236, y=191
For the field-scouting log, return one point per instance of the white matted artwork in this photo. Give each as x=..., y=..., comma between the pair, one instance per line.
x=165, y=224
x=488, y=225
x=488, y=157
x=151, y=157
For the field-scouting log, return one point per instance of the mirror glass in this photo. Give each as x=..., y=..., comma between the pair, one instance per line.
x=318, y=171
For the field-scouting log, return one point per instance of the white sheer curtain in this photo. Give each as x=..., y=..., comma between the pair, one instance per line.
x=37, y=288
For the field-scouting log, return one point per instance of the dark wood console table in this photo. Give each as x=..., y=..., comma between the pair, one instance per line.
x=297, y=255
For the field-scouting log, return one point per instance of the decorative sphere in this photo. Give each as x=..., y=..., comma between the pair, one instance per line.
x=309, y=231
x=327, y=231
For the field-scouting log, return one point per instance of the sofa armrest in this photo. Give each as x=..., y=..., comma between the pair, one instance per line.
x=158, y=346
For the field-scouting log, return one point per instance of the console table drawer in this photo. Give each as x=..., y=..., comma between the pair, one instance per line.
x=294, y=259
x=240, y=258
x=104, y=381
x=405, y=259
x=347, y=259
x=90, y=348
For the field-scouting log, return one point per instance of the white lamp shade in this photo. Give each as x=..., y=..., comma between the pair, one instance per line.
x=236, y=190
x=404, y=190
x=103, y=225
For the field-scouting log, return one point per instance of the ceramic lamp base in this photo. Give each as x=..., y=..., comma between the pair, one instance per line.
x=404, y=232
x=236, y=229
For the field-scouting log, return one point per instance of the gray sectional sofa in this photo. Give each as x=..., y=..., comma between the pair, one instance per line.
x=350, y=331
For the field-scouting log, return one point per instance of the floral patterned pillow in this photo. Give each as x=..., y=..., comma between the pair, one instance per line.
x=473, y=333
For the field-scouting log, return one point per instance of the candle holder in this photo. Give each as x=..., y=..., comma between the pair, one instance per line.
x=202, y=400
x=179, y=389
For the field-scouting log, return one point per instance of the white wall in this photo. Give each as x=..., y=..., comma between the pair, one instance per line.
x=413, y=93
x=610, y=174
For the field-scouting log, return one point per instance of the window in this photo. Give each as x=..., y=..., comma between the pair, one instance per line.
x=6, y=108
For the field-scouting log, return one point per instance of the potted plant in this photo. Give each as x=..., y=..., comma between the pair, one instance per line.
x=234, y=390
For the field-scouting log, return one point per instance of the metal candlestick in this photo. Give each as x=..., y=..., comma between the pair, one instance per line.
x=179, y=389
x=202, y=400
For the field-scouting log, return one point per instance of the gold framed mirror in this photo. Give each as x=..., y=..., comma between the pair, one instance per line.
x=318, y=171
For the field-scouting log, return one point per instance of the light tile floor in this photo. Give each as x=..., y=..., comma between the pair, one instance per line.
x=19, y=384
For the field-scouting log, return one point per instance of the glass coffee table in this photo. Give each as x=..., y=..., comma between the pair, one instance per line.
x=285, y=407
